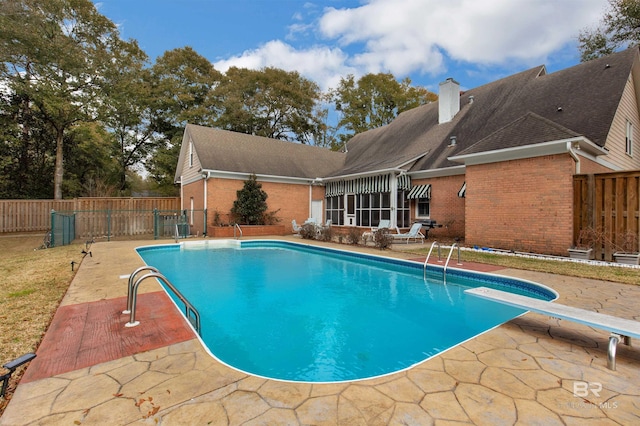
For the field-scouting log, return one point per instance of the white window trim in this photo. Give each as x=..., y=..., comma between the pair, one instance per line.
x=417, y=215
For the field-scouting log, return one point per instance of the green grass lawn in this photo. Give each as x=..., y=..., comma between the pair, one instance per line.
x=574, y=269
x=33, y=284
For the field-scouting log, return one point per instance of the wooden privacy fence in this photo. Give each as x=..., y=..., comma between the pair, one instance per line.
x=609, y=204
x=35, y=215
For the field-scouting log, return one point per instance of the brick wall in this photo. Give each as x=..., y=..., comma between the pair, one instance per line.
x=445, y=206
x=291, y=200
x=522, y=205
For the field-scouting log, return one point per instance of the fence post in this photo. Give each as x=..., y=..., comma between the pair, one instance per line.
x=52, y=242
x=108, y=224
x=155, y=223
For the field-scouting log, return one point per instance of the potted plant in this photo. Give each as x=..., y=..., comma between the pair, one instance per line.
x=627, y=249
x=587, y=239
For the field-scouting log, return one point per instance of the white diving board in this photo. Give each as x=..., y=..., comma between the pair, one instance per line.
x=618, y=327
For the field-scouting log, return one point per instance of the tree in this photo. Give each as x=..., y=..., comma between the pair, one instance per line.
x=55, y=54
x=374, y=100
x=182, y=85
x=270, y=102
x=251, y=203
x=128, y=110
x=619, y=28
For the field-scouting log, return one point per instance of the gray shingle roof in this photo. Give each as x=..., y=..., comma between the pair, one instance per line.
x=238, y=152
x=523, y=109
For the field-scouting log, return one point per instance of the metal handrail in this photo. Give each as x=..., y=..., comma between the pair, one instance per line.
x=454, y=245
x=424, y=267
x=234, y=231
x=189, y=308
x=132, y=278
x=177, y=233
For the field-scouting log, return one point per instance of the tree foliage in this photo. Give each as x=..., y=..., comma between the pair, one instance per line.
x=270, y=102
x=251, y=204
x=55, y=56
x=619, y=28
x=81, y=109
x=374, y=100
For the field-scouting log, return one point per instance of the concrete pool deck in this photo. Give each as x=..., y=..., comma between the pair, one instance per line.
x=531, y=370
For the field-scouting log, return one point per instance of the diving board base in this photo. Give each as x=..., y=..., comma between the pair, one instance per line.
x=620, y=328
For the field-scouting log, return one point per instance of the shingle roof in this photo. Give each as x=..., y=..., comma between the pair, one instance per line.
x=526, y=108
x=588, y=95
x=527, y=130
x=238, y=152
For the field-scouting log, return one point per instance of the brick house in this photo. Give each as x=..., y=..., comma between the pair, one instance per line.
x=493, y=164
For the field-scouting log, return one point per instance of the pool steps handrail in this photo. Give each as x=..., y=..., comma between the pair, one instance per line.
x=435, y=243
x=191, y=313
x=132, y=279
x=234, y=231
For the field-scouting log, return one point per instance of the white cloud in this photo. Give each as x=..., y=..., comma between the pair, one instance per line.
x=402, y=35
x=424, y=36
x=322, y=64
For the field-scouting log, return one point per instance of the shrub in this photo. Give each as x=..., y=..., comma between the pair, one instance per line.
x=326, y=234
x=251, y=203
x=382, y=239
x=308, y=231
x=353, y=236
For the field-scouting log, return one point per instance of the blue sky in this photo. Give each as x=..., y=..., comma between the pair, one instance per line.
x=473, y=41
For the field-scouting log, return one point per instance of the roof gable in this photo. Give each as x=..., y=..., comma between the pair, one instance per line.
x=223, y=150
x=529, y=129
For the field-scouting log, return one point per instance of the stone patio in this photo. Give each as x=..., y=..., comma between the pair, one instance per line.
x=531, y=370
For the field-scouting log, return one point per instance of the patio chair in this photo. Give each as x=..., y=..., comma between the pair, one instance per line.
x=384, y=223
x=296, y=228
x=414, y=233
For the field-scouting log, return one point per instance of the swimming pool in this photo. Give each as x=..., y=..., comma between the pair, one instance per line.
x=303, y=313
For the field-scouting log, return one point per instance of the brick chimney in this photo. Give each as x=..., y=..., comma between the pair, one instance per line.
x=448, y=100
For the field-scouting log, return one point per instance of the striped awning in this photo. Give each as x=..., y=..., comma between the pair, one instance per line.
x=420, y=191
x=462, y=190
x=363, y=185
x=404, y=182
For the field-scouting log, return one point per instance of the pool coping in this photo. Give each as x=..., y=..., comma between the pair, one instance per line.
x=528, y=368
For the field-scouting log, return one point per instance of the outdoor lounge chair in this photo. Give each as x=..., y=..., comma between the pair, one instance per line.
x=296, y=227
x=384, y=223
x=414, y=233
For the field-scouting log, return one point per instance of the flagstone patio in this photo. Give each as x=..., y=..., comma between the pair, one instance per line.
x=531, y=370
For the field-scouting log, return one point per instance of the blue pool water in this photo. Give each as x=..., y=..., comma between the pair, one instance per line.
x=295, y=312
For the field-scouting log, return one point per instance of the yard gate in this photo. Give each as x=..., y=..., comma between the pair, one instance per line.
x=608, y=203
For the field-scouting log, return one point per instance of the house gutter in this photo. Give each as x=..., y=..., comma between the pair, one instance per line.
x=535, y=150
x=573, y=155
x=207, y=174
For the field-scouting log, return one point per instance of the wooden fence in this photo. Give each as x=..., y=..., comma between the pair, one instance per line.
x=608, y=203
x=131, y=216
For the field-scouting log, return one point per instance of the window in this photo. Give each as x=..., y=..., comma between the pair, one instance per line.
x=422, y=208
x=335, y=209
x=403, y=214
x=629, y=139
x=190, y=153
x=371, y=208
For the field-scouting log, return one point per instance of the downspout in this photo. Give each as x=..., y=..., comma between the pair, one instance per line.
x=205, y=176
x=573, y=155
x=181, y=192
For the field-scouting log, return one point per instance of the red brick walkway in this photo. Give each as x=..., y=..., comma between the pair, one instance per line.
x=87, y=334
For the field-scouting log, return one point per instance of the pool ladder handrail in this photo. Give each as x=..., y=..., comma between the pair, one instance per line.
x=234, y=231
x=435, y=243
x=191, y=313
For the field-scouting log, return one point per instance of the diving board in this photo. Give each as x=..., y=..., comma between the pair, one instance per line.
x=618, y=327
